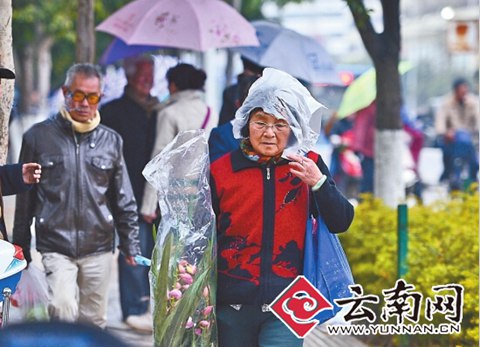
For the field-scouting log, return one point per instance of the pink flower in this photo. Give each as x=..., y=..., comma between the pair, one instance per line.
x=191, y=269
x=185, y=286
x=198, y=331
x=183, y=262
x=178, y=285
x=204, y=324
x=175, y=294
x=207, y=310
x=181, y=269
x=206, y=292
x=186, y=278
x=189, y=323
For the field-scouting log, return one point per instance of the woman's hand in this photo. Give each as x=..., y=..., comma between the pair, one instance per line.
x=31, y=173
x=305, y=169
x=150, y=218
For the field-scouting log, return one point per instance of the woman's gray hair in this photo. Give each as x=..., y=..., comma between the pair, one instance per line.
x=86, y=69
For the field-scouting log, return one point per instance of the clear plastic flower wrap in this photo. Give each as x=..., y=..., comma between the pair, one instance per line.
x=183, y=270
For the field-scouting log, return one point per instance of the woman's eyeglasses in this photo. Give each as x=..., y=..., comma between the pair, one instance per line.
x=78, y=96
x=277, y=127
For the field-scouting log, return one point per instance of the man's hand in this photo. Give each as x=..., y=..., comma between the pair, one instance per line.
x=150, y=218
x=450, y=135
x=130, y=260
x=31, y=173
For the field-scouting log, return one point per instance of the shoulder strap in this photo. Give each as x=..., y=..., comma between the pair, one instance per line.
x=313, y=208
x=207, y=117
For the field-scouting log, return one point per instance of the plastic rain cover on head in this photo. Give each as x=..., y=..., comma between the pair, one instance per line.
x=183, y=271
x=283, y=96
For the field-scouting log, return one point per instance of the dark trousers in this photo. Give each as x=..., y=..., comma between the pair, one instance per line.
x=133, y=280
x=251, y=327
x=456, y=154
x=368, y=169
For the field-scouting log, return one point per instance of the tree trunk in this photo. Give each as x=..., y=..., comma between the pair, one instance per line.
x=7, y=87
x=384, y=49
x=26, y=78
x=229, y=68
x=237, y=4
x=44, y=73
x=389, y=183
x=85, y=48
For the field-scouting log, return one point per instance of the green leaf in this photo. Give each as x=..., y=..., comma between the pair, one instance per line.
x=160, y=285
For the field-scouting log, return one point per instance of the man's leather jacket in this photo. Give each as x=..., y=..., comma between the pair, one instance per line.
x=84, y=193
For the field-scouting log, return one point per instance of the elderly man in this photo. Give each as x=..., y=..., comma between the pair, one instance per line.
x=84, y=196
x=14, y=178
x=134, y=117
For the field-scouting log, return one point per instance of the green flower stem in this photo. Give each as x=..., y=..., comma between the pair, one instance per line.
x=161, y=288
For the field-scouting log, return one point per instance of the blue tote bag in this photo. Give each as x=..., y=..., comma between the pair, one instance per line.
x=326, y=265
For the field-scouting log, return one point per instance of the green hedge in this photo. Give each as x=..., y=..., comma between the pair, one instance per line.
x=442, y=249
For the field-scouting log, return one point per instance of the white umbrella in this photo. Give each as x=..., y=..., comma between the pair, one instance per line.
x=299, y=55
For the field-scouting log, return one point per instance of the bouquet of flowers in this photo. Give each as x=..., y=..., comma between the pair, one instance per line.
x=183, y=270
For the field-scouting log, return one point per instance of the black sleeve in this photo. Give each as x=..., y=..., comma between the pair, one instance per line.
x=25, y=204
x=335, y=209
x=124, y=207
x=11, y=178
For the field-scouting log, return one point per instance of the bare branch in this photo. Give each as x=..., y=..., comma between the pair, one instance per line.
x=361, y=17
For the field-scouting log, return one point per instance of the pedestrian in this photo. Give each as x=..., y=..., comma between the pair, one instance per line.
x=456, y=123
x=133, y=116
x=232, y=94
x=221, y=140
x=345, y=166
x=14, y=178
x=262, y=194
x=363, y=143
x=185, y=109
x=84, y=196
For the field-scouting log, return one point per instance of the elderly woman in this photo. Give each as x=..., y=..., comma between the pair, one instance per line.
x=262, y=195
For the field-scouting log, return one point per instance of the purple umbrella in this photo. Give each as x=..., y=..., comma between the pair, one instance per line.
x=118, y=50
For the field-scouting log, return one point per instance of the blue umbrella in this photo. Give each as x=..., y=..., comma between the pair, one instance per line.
x=118, y=50
x=299, y=55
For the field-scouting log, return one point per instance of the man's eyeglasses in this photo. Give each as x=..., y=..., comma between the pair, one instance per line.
x=78, y=96
x=277, y=127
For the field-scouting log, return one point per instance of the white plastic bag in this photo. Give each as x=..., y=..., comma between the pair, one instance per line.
x=31, y=295
x=183, y=271
x=282, y=95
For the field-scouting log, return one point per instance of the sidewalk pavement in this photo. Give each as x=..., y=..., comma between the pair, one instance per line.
x=115, y=325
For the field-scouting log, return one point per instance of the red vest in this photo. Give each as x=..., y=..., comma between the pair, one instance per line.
x=261, y=218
